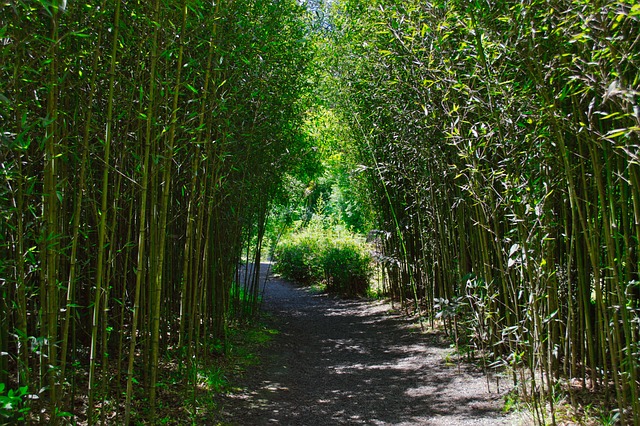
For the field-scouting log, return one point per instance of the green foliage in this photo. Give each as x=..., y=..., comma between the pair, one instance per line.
x=214, y=379
x=499, y=142
x=336, y=256
x=299, y=257
x=13, y=404
x=347, y=266
x=331, y=186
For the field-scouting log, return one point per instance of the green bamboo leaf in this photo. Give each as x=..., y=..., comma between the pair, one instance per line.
x=80, y=34
x=617, y=133
x=613, y=114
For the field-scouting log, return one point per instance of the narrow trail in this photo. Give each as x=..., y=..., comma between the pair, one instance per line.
x=340, y=361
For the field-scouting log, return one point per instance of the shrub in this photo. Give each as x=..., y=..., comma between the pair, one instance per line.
x=347, y=266
x=338, y=258
x=298, y=257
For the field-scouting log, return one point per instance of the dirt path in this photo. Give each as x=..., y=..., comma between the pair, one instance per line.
x=352, y=362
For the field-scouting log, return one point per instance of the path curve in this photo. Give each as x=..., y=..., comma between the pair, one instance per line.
x=338, y=361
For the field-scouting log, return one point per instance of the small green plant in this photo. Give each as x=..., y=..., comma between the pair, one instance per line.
x=12, y=404
x=216, y=379
x=610, y=419
x=511, y=402
x=448, y=360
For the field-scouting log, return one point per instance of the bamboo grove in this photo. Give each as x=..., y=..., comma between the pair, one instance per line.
x=142, y=143
x=500, y=145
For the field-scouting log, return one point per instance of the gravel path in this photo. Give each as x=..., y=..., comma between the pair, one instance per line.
x=340, y=361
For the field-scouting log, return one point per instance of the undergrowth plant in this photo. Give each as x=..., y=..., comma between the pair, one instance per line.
x=347, y=266
x=330, y=254
x=299, y=257
x=13, y=404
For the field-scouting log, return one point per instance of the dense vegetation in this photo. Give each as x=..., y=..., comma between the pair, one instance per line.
x=330, y=255
x=500, y=141
x=146, y=148
x=142, y=144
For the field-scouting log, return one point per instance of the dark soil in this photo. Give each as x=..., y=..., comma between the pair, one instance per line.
x=338, y=361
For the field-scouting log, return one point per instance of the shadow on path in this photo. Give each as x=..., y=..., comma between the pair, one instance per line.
x=352, y=362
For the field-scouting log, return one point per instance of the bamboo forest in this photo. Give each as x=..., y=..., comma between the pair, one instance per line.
x=152, y=153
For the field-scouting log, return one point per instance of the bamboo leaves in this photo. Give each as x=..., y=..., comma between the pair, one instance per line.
x=504, y=140
x=135, y=134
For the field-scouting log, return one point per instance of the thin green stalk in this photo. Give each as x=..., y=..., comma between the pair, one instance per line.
x=156, y=295
x=102, y=226
x=144, y=177
x=396, y=223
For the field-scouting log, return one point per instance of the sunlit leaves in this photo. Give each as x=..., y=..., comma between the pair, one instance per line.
x=225, y=119
x=506, y=136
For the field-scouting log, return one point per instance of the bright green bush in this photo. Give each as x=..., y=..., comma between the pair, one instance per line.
x=339, y=259
x=298, y=257
x=347, y=266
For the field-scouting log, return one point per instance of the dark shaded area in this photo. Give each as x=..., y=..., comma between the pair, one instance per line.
x=352, y=362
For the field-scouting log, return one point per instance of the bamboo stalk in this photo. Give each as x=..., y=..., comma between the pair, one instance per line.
x=156, y=293
x=144, y=177
x=102, y=226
